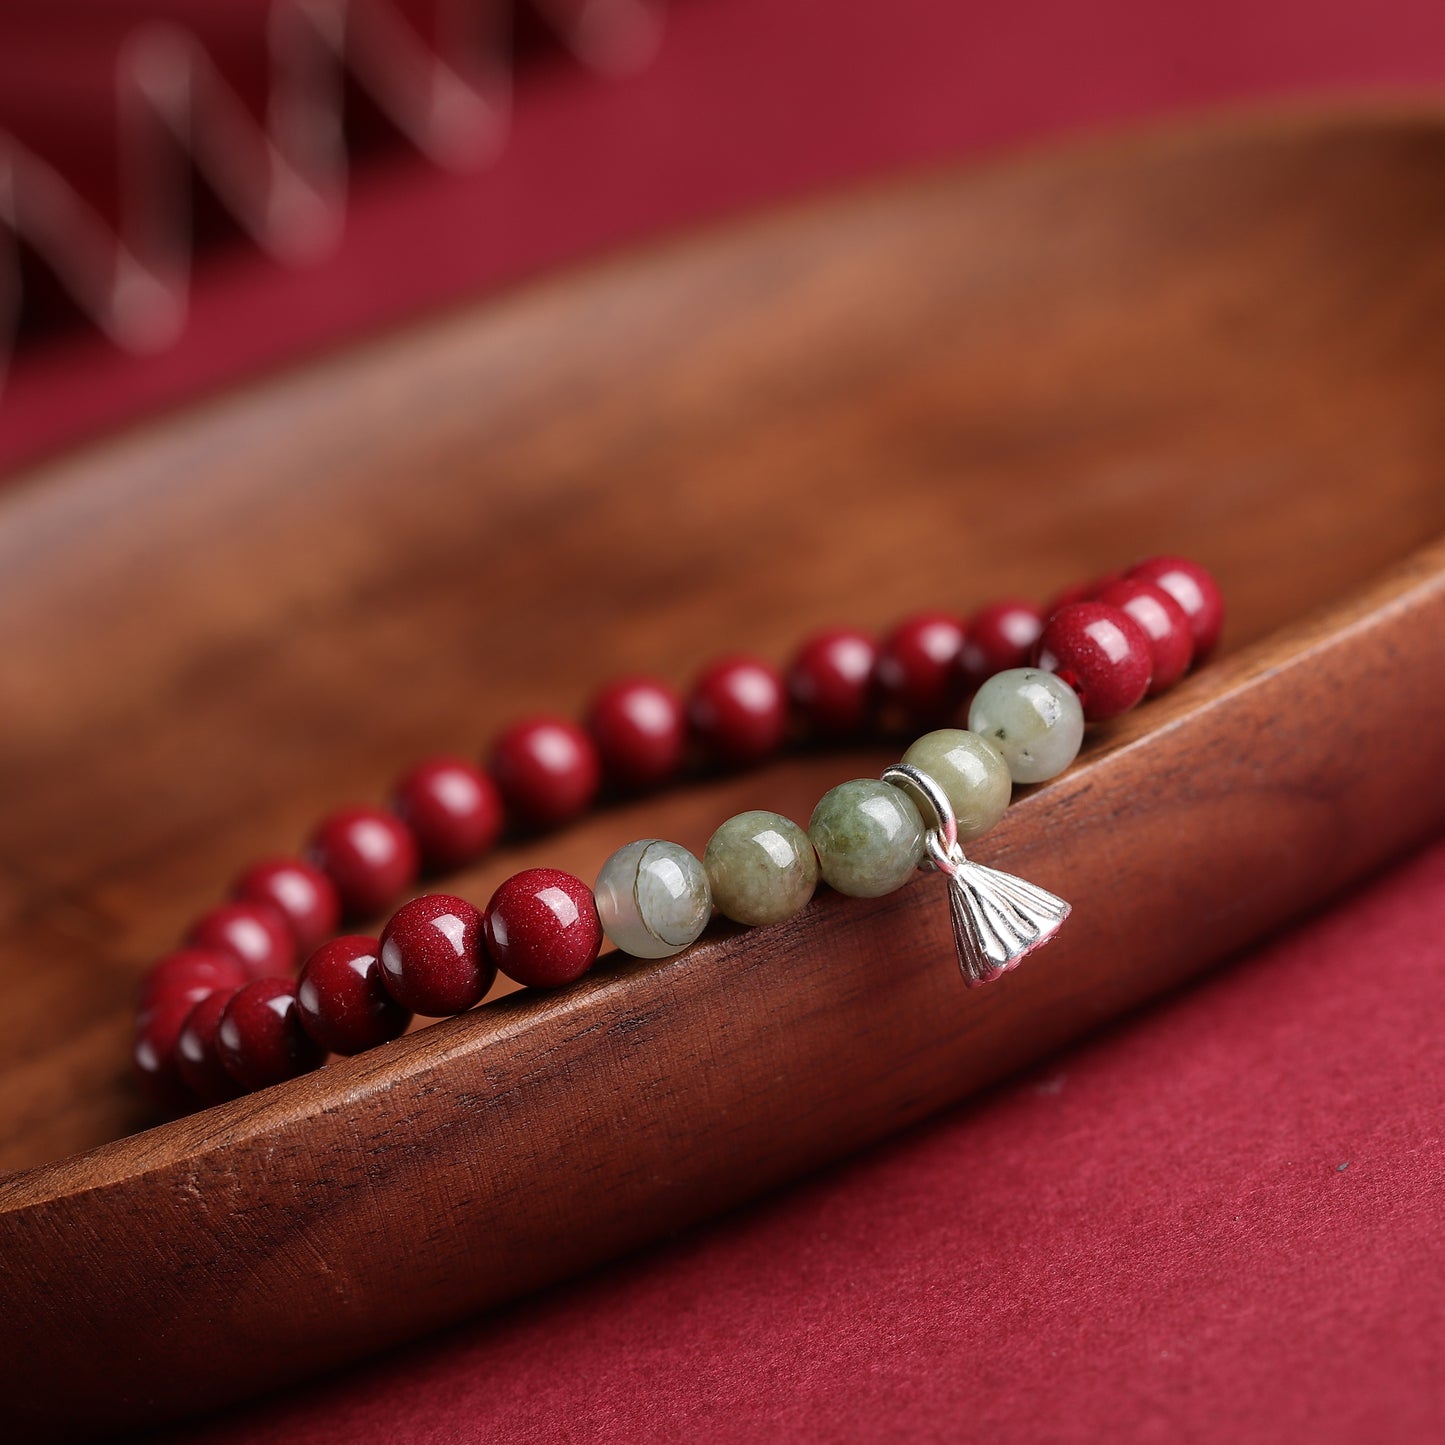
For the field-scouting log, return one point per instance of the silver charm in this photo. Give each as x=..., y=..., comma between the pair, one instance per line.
x=998, y=920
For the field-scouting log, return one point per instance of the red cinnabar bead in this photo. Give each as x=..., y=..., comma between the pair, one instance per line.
x=154, y=1054
x=432, y=959
x=341, y=999
x=918, y=669
x=542, y=928
x=547, y=769
x=640, y=729
x=1164, y=623
x=1000, y=637
x=830, y=681
x=255, y=933
x=739, y=709
x=369, y=855
x=191, y=974
x=453, y=809
x=1101, y=653
x=1195, y=590
x=198, y=1060
x=260, y=1038
x=305, y=897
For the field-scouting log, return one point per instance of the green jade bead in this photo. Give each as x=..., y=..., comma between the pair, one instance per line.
x=1033, y=718
x=761, y=867
x=653, y=898
x=869, y=837
x=971, y=771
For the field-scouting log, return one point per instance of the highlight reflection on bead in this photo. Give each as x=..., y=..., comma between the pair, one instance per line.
x=342, y=997
x=869, y=837
x=653, y=898
x=1033, y=718
x=260, y=1039
x=432, y=959
x=971, y=771
x=761, y=867
x=542, y=928
x=1101, y=652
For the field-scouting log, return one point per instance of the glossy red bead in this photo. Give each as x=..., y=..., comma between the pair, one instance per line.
x=341, y=998
x=831, y=682
x=153, y=1055
x=738, y=708
x=1101, y=653
x=542, y=928
x=255, y=933
x=918, y=667
x=371, y=857
x=1164, y=622
x=1000, y=637
x=260, y=1038
x=433, y=961
x=453, y=809
x=198, y=1058
x=1195, y=590
x=639, y=727
x=190, y=974
x=304, y=896
x=547, y=769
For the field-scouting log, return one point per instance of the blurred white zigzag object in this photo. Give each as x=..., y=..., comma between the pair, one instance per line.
x=283, y=175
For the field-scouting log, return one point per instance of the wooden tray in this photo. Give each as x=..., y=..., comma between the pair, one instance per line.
x=1227, y=340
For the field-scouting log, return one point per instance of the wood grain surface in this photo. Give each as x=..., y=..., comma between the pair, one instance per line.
x=1227, y=341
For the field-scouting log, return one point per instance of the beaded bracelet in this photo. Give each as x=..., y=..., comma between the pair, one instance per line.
x=220, y=1017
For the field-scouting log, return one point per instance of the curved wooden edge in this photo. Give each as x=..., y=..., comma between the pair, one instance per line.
x=1120, y=143
x=392, y=1193
x=1059, y=335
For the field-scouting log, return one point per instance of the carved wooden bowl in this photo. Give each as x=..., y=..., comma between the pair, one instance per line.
x=1227, y=341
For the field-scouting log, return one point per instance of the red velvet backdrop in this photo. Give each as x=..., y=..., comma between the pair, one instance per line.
x=748, y=101
x=1221, y=1221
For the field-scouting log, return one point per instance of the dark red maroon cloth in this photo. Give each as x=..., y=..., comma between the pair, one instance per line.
x=747, y=101
x=1222, y=1220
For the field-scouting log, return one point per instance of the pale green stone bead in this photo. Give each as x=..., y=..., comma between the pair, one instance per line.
x=1033, y=718
x=653, y=898
x=869, y=837
x=971, y=771
x=761, y=867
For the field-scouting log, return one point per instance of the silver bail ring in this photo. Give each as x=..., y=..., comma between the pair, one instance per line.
x=942, y=840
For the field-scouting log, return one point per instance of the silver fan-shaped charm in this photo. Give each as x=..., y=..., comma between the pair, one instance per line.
x=998, y=920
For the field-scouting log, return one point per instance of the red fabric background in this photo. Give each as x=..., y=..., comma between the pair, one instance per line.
x=1220, y=1221
x=749, y=101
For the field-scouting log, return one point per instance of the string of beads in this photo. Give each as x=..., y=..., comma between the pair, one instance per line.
x=222, y=1015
